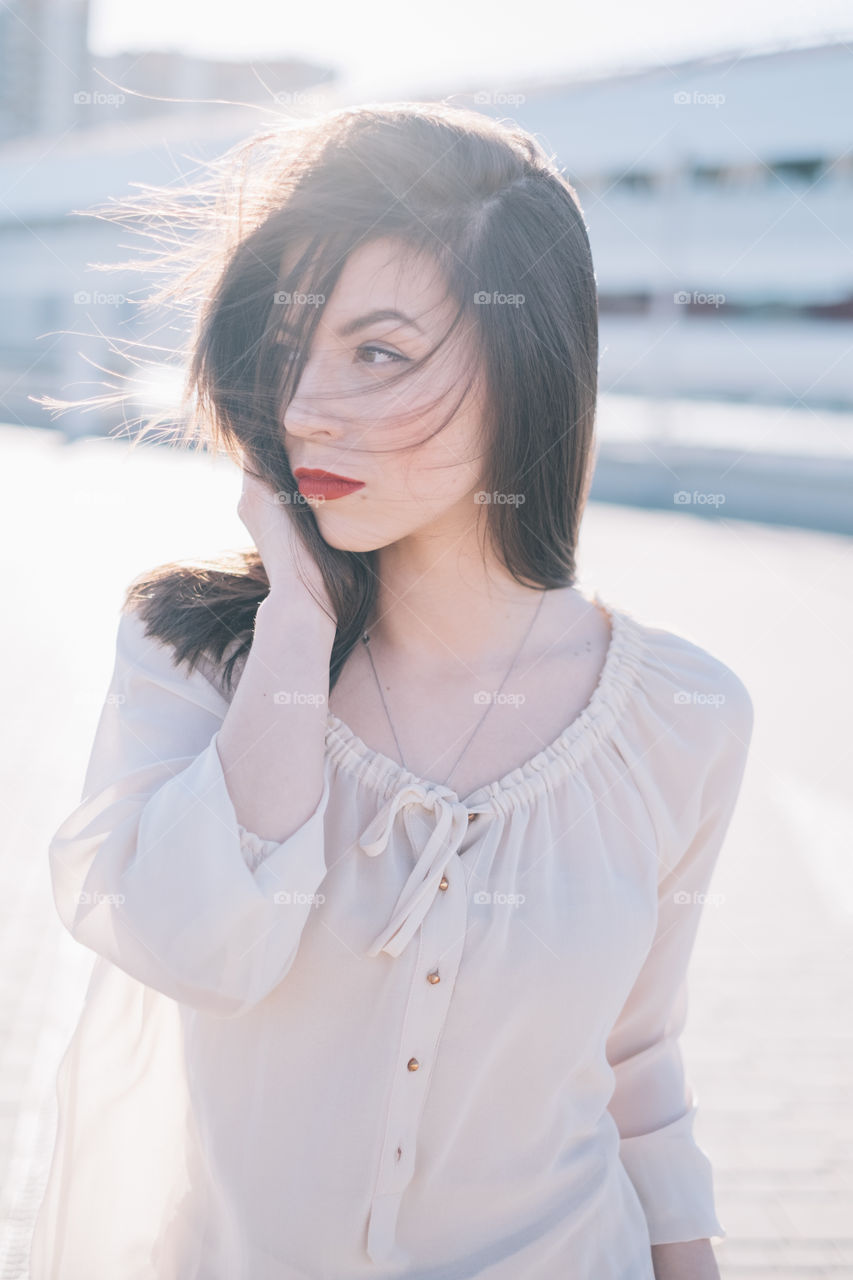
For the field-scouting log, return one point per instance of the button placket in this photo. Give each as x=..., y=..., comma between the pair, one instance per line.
x=472, y=831
x=441, y=943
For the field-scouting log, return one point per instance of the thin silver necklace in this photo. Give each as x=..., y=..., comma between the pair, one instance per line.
x=366, y=641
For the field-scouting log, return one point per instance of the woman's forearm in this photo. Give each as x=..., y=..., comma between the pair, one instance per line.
x=271, y=742
x=686, y=1260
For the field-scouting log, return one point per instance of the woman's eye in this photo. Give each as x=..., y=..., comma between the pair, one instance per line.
x=380, y=351
x=365, y=352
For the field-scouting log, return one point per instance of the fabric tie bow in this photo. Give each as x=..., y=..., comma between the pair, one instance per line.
x=443, y=843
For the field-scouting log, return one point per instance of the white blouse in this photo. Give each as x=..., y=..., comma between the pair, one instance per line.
x=425, y=1037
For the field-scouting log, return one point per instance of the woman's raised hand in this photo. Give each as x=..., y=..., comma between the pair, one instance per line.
x=292, y=570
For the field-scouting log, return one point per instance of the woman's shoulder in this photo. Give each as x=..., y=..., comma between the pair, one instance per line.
x=148, y=664
x=684, y=729
x=683, y=677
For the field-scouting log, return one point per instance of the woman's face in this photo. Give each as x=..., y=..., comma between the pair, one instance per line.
x=346, y=418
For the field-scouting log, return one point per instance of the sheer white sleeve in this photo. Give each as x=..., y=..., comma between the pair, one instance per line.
x=152, y=869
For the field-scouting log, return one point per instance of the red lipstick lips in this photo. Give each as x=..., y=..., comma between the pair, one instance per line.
x=314, y=483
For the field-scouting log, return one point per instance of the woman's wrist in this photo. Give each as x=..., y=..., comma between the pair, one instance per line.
x=287, y=611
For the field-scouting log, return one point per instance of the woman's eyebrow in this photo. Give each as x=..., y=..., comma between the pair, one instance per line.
x=373, y=317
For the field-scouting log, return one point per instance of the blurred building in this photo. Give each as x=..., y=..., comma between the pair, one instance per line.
x=719, y=199
x=50, y=81
x=43, y=64
x=718, y=195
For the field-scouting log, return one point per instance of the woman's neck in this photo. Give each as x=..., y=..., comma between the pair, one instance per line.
x=453, y=610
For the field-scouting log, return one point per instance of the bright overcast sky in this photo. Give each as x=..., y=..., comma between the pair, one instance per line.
x=390, y=48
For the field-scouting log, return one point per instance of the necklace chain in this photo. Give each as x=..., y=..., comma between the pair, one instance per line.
x=366, y=640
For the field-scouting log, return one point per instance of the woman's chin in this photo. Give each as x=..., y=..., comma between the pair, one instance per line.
x=335, y=534
x=344, y=540
x=345, y=532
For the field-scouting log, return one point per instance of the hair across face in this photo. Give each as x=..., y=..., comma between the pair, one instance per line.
x=350, y=415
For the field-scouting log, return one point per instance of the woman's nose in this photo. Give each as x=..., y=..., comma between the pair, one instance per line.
x=304, y=417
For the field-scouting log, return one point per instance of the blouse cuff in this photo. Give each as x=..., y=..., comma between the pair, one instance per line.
x=255, y=849
x=673, y=1179
x=302, y=853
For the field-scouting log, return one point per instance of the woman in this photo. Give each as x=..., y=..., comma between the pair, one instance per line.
x=392, y=844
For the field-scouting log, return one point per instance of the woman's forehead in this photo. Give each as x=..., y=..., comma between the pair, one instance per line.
x=383, y=273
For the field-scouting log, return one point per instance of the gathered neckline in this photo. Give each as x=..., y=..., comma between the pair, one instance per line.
x=523, y=784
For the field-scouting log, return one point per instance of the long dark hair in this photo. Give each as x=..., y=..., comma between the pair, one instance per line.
x=485, y=202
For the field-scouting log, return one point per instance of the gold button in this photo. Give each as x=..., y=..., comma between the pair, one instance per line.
x=443, y=883
x=471, y=817
x=433, y=977
x=413, y=1064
